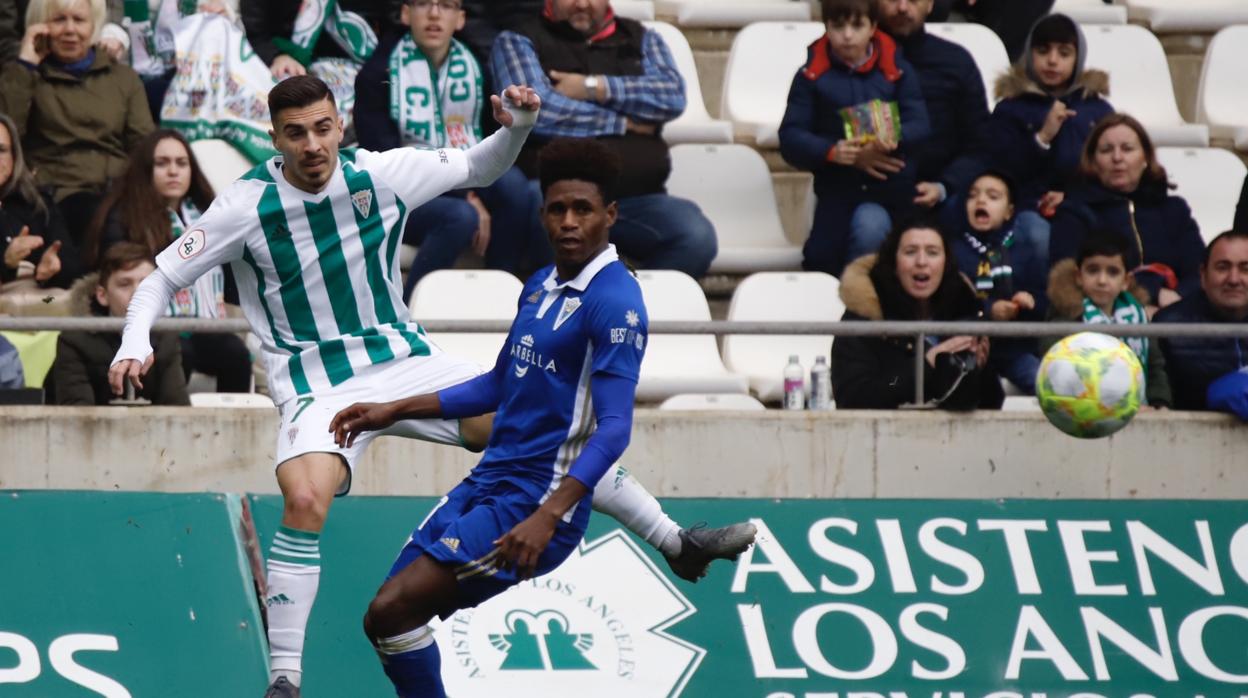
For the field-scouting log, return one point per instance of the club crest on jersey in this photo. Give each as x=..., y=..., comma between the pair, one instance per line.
x=569, y=306
x=363, y=201
x=537, y=296
x=191, y=244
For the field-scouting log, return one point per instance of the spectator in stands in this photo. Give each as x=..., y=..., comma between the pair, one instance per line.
x=10, y=37
x=1241, y=210
x=31, y=227
x=1096, y=288
x=484, y=20
x=1208, y=372
x=79, y=375
x=1049, y=104
x=607, y=77
x=914, y=277
x=852, y=68
x=426, y=60
x=1007, y=271
x=12, y=377
x=1009, y=19
x=156, y=201
x=270, y=29
x=1125, y=189
x=78, y=110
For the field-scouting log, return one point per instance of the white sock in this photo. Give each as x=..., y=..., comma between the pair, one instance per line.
x=620, y=496
x=294, y=574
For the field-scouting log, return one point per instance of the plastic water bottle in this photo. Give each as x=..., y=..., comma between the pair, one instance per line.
x=821, y=385
x=794, y=385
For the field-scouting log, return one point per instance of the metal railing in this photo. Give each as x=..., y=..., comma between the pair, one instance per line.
x=920, y=330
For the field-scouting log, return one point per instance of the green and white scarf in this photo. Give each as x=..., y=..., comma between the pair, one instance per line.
x=205, y=298
x=151, y=40
x=435, y=111
x=994, y=277
x=1127, y=311
x=347, y=29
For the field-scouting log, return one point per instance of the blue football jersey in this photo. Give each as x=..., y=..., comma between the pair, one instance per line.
x=564, y=333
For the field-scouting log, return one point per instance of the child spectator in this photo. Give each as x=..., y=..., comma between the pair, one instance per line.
x=1096, y=288
x=1049, y=104
x=79, y=375
x=1007, y=269
x=852, y=66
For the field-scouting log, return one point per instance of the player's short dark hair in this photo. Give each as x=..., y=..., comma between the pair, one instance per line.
x=1102, y=243
x=1225, y=235
x=843, y=10
x=1055, y=29
x=298, y=91
x=583, y=159
x=122, y=256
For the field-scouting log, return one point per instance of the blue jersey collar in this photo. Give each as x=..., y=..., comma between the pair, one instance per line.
x=581, y=282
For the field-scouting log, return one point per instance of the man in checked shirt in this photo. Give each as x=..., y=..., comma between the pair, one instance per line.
x=610, y=78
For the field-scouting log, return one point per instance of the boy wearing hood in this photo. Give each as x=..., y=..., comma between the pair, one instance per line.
x=1049, y=104
x=1096, y=288
x=852, y=64
x=1006, y=268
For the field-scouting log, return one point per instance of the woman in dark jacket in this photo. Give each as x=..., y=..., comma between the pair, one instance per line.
x=914, y=277
x=1126, y=190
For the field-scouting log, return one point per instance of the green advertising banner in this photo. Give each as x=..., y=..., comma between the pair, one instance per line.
x=839, y=599
x=125, y=594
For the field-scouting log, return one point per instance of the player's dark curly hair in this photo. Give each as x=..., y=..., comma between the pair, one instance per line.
x=584, y=159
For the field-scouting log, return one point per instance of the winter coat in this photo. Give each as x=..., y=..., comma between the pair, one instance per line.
x=1196, y=362
x=79, y=375
x=1020, y=115
x=878, y=372
x=1241, y=209
x=812, y=126
x=1067, y=306
x=1157, y=226
x=77, y=131
x=1029, y=268
x=16, y=213
x=957, y=109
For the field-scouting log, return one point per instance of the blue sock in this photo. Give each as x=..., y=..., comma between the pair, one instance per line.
x=413, y=663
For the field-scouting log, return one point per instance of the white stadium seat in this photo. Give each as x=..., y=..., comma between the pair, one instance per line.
x=462, y=294
x=230, y=400
x=732, y=13
x=1139, y=82
x=779, y=296
x=1091, y=11
x=1188, y=16
x=221, y=162
x=695, y=125
x=1210, y=180
x=984, y=46
x=640, y=10
x=712, y=401
x=764, y=58
x=732, y=185
x=1021, y=403
x=680, y=363
x=1222, y=100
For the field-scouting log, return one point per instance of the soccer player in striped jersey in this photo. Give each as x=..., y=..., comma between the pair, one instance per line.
x=312, y=238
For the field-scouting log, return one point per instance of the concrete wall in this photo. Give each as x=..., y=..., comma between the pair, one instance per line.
x=687, y=454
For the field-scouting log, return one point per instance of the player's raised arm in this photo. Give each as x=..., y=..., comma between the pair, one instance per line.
x=516, y=110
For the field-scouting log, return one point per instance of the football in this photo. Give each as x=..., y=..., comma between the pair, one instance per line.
x=1090, y=385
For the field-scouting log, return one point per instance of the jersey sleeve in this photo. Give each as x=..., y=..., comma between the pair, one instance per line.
x=214, y=239
x=415, y=174
x=619, y=329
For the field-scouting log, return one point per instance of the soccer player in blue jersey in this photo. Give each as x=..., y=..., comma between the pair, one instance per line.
x=562, y=389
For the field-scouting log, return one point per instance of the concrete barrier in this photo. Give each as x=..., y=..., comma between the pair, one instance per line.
x=677, y=454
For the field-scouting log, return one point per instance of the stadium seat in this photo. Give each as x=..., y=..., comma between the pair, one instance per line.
x=732, y=185
x=731, y=14
x=467, y=294
x=640, y=10
x=230, y=400
x=1091, y=11
x=764, y=58
x=1210, y=180
x=1021, y=403
x=1222, y=99
x=221, y=162
x=680, y=363
x=1187, y=16
x=695, y=125
x=712, y=401
x=1139, y=82
x=780, y=296
x=985, y=47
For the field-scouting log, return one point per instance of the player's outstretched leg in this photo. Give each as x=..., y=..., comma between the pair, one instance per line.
x=308, y=484
x=690, y=551
x=396, y=625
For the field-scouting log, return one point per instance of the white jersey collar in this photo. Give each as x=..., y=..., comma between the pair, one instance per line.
x=581, y=282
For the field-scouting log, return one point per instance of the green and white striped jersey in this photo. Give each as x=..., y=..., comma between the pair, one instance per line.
x=318, y=274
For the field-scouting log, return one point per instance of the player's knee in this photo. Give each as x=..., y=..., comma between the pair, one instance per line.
x=305, y=509
x=384, y=613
